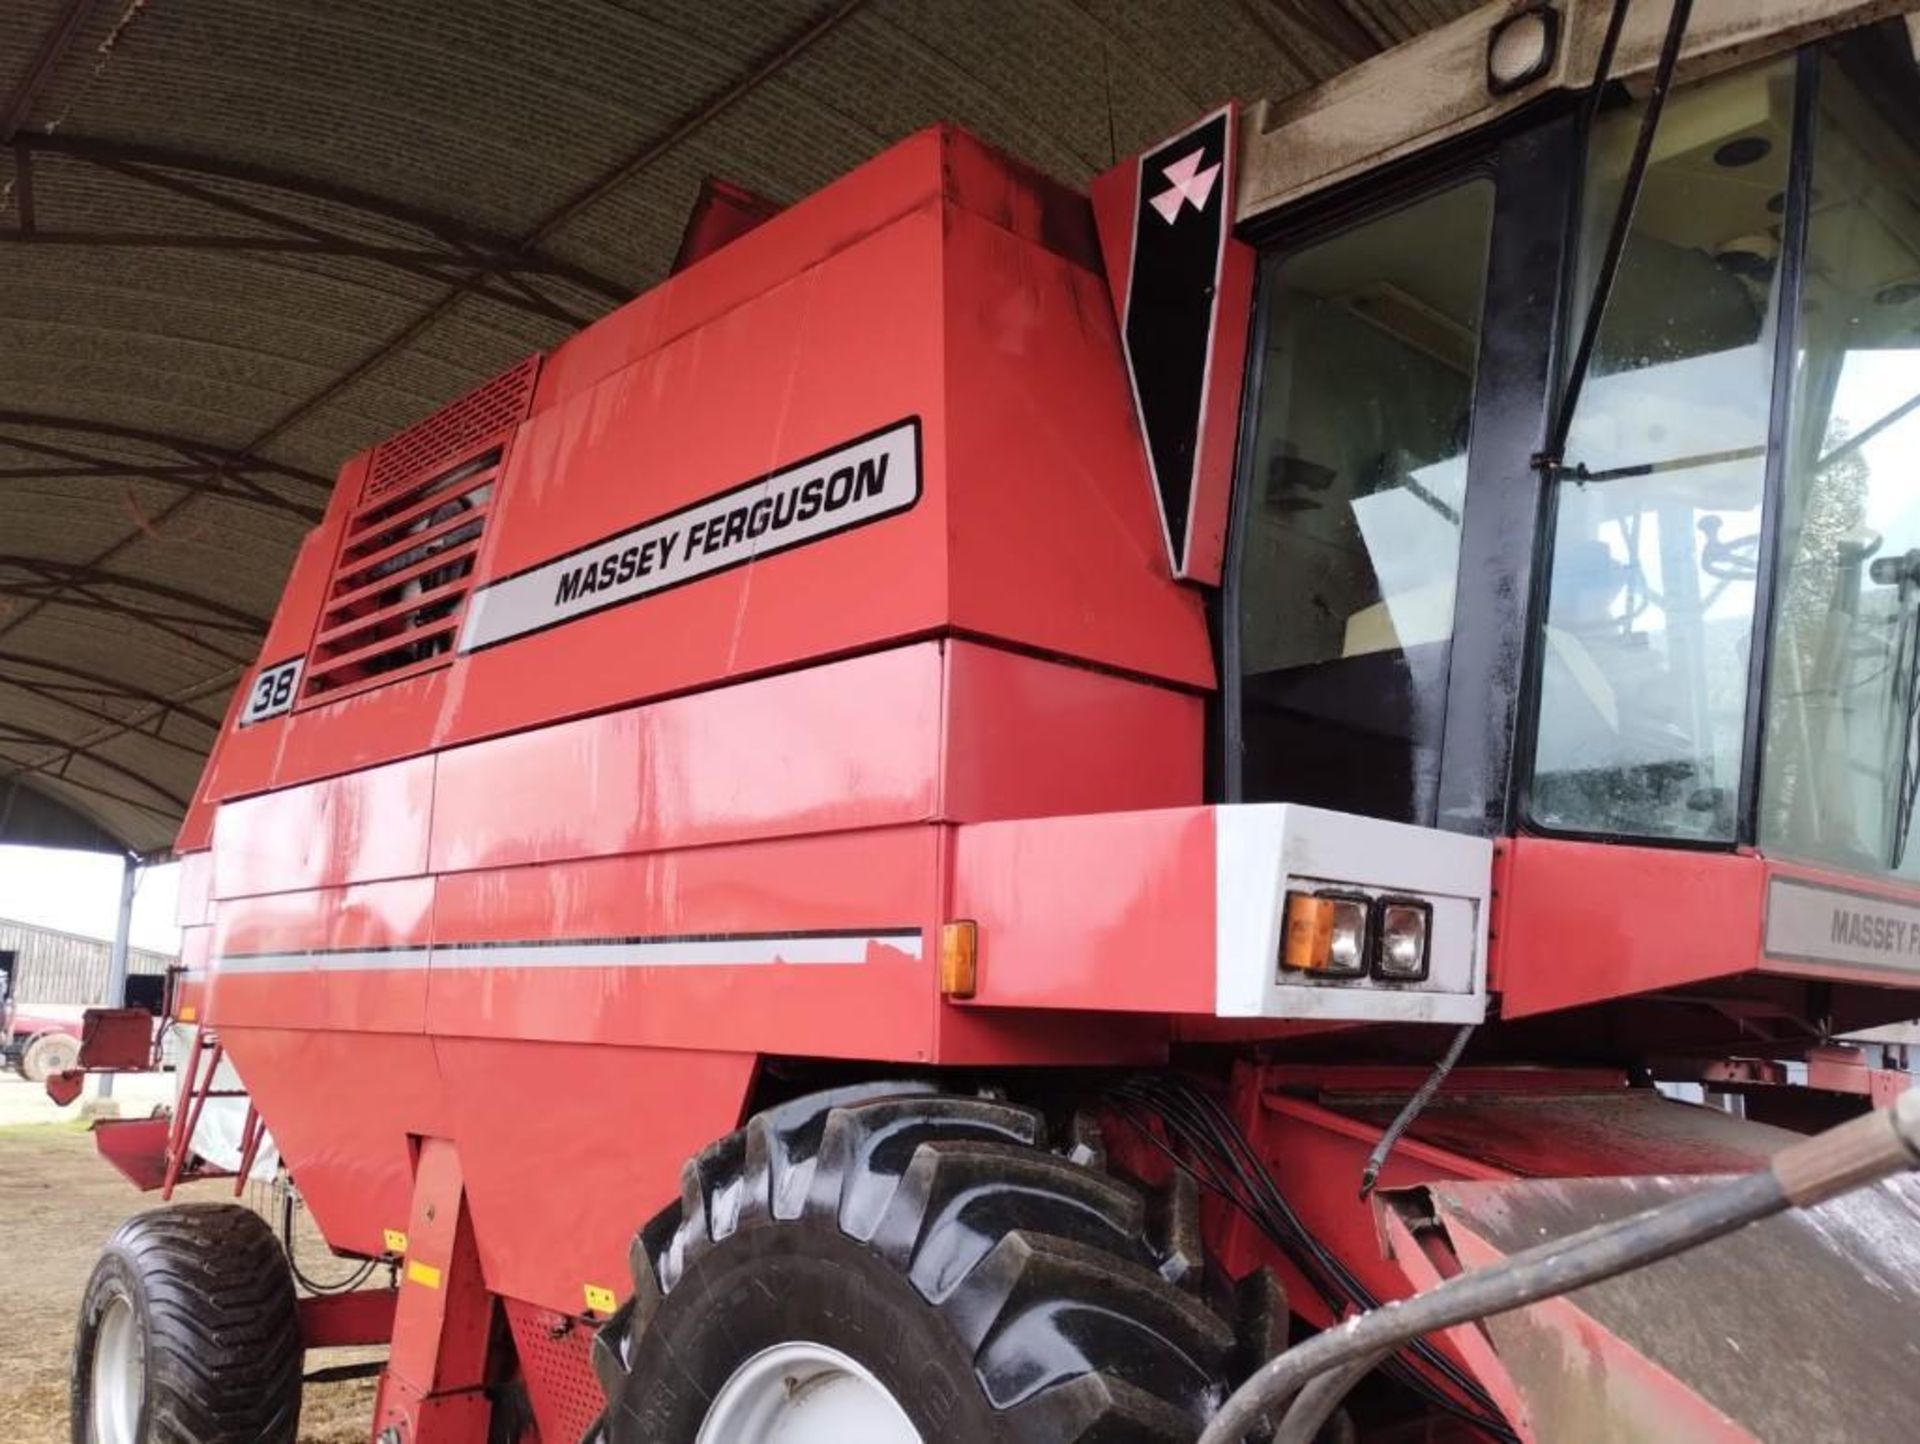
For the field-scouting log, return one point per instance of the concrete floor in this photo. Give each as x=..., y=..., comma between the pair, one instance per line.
x=136, y=1094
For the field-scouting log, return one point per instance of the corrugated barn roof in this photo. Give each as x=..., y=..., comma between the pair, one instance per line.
x=240, y=240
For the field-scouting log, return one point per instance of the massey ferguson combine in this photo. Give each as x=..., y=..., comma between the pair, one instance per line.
x=998, y=816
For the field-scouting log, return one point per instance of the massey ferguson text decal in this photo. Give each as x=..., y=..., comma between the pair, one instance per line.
x=1811, y=924
x=862, y=481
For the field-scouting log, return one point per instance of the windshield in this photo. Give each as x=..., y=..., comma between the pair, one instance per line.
x=1653, y=599
x=1651, y=593
x=1842, y=760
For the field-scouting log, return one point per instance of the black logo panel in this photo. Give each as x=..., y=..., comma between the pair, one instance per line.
x=1176, y=258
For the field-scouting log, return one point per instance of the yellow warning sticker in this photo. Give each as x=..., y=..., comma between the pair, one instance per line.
x=396, y=1241
x=188, y=1012
x=424, y=1274
x=599, y=1300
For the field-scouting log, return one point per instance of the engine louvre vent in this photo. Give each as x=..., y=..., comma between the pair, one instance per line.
x=400, y=583
x=492, y=407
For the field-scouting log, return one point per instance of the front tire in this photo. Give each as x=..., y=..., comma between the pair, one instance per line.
x=188, y=1333
x=883, y=1268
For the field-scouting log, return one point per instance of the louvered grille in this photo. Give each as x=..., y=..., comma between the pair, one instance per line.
x=498, y=405
x=400, y=586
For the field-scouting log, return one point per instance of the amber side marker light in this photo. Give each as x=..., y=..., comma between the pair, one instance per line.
x=959, y=958
x=1325, y=933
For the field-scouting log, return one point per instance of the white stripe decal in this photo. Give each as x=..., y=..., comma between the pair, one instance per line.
x=641, y=954
x=346, y=960
x=850, y=948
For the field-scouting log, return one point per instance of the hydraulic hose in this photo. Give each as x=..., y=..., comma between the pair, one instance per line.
x=1321, y=1397
x=1412, y=1109
x=1818, y=1168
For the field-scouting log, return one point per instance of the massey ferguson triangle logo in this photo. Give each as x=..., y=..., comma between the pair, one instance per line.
x=1187, y=182
x=1167, y=318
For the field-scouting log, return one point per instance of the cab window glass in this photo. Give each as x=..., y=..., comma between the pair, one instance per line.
x=1842, y=764
x=1349, y=530
x=1650, y=596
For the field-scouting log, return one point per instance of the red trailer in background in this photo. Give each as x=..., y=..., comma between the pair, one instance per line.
x=36, y=1044
x=902, y=839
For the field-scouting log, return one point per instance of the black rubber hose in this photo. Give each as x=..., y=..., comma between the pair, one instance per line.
x=1320, y=1398
x=1411, y=1109
x=1801, y=1175
x=1556, y=1267
x=1199, y=1121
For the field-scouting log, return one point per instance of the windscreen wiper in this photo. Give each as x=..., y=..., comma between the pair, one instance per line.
x=1676, y=463
x=1550, y=458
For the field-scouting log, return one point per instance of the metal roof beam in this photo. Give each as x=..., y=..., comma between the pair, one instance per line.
x=156, y=165
x=210, y=477
x=49, y=584
x=62, y=694
x=68, y=749
x=53, y=48
x=441, y=267
x=71, y=592
x=82, y=574
x=43, y=782
x=190, y=447
x=106, y=686
x=38, y=598
x=177, y=700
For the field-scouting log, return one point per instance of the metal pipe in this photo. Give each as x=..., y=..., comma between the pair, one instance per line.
x=117, y=959
x=1801, y=1175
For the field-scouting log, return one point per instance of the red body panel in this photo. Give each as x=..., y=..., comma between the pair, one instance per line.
x=1587, y=922
x=1108, y=912
x=856, y=745
x=1572, y=923
x=875, y=1001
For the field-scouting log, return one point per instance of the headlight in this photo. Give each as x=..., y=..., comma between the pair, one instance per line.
x=1400, y=939
x=1325, y=933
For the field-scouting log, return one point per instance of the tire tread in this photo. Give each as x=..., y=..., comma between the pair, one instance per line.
x=1025, y=1254
x=224, y=1354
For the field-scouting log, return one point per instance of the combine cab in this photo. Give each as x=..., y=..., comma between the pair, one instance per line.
x=992, y=814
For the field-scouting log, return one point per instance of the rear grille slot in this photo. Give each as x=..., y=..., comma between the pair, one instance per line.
x=456, y=428
x=400, y=586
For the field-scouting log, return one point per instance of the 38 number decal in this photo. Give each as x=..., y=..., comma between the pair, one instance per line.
x=272, y=691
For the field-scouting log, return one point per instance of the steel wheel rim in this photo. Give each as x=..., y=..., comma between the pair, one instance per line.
x=119, y=1375
x=805, y=1393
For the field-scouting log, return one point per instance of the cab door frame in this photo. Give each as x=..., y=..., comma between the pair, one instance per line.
x=1534, y=162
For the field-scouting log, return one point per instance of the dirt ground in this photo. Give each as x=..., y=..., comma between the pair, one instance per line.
x=58, y=1204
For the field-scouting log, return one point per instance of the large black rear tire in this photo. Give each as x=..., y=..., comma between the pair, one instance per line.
x=199, y=1296
x=996, y=1291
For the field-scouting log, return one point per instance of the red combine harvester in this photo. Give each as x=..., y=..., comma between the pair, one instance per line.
x=901, y=840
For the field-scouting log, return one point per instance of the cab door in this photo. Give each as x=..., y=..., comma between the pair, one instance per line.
x=1385, y=511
